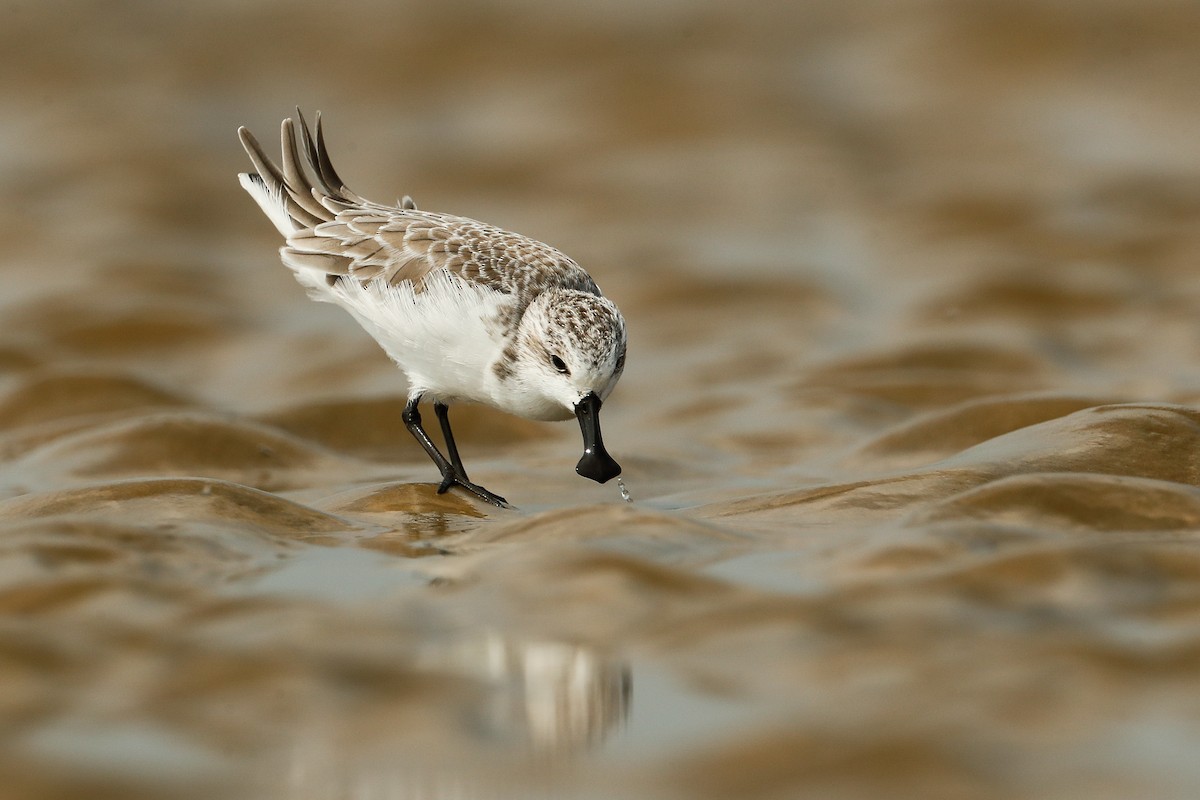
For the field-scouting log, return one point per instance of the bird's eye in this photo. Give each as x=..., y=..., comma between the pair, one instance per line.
x=621, y=361
x=560, y=365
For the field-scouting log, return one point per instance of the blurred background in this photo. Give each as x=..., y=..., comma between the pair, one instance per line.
x=908, y=419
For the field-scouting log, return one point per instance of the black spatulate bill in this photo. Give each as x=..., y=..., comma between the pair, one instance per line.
x=596, y=463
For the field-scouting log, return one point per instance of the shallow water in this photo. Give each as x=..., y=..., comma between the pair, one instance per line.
x=910, y=418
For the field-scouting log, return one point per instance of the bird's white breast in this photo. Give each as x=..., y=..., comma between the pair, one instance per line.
x=443, y=337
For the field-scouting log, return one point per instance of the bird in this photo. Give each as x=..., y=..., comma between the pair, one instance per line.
x=469, y=312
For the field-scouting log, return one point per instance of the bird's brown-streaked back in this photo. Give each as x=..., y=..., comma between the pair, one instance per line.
x=341, y=234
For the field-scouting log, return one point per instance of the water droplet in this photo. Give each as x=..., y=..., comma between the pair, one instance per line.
x=624, y=492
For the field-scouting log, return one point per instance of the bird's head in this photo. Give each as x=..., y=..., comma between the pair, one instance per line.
x=568, y=354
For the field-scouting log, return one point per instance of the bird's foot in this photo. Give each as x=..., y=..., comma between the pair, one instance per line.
x=452, y=478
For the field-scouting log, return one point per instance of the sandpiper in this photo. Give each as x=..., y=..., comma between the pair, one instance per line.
x=469, y=312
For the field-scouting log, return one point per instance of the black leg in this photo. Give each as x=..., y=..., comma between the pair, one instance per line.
x=443, y=415
x=452, y=473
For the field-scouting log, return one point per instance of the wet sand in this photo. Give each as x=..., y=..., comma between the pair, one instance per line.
x=910, y=417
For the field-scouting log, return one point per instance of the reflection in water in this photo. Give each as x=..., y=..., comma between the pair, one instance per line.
x=533, y=702
x=554, y=697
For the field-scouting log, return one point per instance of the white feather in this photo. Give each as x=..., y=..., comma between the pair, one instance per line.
x=272, y=203
x=439, y=336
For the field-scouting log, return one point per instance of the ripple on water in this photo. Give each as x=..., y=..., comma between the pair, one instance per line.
x=942, y=433
x=52, y=396
x=1154, y=441
x=930, y=375
x=188, y=501
x=1159, y=441
x=98, y=329
x=1081, y=502
x=409, y=519
x=180, y=444
x=658, y=536
x=373, y=428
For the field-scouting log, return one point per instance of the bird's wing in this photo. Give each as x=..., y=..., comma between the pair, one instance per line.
x=306, y=190
x=332, y=230
x=395, y=245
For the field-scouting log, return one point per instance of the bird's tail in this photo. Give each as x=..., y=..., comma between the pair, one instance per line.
x=307, y=191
